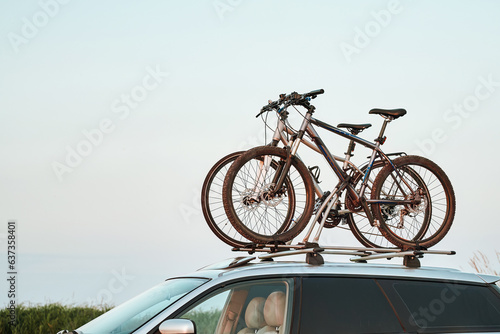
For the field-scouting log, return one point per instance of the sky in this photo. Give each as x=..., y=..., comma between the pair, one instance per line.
x=112, y=113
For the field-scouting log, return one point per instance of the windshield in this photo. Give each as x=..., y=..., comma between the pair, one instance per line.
x=137, y=311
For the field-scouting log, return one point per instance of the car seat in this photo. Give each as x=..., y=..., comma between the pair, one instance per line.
x=254, y=316
x=274, y=313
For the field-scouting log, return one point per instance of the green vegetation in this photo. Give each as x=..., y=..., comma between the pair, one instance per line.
x=47, y=319
x=204, y=320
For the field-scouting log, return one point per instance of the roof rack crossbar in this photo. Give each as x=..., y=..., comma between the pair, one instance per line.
x=291, y=252
x=360, y=254
x=410, y=258
x=385, y=256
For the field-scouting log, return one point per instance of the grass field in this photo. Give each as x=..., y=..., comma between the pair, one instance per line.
x=47, y=319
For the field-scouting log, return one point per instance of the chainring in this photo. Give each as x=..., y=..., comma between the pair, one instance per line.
x=349, y=204
x=331, y=221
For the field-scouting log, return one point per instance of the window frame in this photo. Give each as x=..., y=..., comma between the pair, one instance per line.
x=287, y=281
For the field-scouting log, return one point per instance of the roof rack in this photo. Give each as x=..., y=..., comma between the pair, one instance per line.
x=313, y=253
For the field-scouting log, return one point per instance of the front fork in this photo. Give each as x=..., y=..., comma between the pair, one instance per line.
x=279, y=177
x=291, y=151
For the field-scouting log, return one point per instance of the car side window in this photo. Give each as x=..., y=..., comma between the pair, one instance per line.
x=345, y=305
x=244, y=308
x=206, y=315
x=438, y=306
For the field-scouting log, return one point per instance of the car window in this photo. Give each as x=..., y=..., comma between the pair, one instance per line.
x=243, y=308
x=345, y=305
x=446, y=306
x=132, y=314
x=206, y=315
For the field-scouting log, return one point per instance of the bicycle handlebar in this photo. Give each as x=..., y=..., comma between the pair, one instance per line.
x=290, y=99
x=314, y=93
x=296, y=97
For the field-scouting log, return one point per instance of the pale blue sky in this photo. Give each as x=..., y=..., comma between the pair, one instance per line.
x=132, y=205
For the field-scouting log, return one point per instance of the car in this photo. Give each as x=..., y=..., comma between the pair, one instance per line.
x=256, y=294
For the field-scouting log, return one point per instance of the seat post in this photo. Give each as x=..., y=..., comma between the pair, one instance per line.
x=349, y=154
x=381, y=139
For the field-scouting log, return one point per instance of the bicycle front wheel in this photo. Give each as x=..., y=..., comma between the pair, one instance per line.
x=429, y=210
x=260, y=211
x=211, y=203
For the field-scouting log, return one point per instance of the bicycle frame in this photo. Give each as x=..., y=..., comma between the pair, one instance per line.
x=344, y=179
x=279, y=135
x=332, y=160
x=333, y=163
x=319, y=146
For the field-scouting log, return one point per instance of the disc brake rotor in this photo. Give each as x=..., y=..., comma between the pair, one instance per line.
x=417, y=208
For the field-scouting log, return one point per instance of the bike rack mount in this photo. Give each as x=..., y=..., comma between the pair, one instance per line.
x=314, y=253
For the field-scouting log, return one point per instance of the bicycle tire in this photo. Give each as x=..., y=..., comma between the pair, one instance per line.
x=433, y=217
x=211, y=203
x=250, y=214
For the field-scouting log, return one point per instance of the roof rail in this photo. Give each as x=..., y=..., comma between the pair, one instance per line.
x=313, y=253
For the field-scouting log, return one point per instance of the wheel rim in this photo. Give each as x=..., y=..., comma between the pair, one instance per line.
x=269, y=213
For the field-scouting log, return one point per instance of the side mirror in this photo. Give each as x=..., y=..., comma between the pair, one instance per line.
x=177, y=326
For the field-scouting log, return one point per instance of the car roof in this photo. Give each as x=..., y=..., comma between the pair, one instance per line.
x=243, y=267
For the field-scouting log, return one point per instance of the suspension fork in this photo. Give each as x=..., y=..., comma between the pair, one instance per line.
x=266, y=163
x=282, y=170
x=264, y=166
x=291, y=151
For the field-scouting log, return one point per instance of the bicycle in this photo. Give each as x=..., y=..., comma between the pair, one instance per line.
x=211, y=194
x=412, y=201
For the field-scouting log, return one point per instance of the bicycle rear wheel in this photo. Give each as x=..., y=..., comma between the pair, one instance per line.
x=211, y=203
x=256, y=208
x=423, y=223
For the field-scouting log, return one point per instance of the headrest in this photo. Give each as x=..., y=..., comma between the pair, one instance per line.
x=274, y=309
x=254, y=314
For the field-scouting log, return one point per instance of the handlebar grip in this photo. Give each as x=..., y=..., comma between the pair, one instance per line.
x=314, y=92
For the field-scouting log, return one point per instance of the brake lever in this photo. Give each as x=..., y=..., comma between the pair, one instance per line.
x=270, y=106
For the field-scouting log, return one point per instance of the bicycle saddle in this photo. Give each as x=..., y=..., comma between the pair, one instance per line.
x=354, y=128
x=394, y=113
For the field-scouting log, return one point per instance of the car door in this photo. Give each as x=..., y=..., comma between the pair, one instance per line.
x=331, y=304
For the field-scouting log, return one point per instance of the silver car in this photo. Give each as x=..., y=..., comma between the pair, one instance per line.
x=244, y=295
